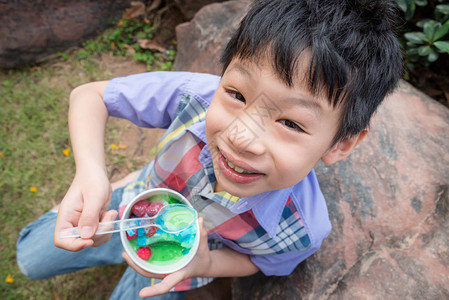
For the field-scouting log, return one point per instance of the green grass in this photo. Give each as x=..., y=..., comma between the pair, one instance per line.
x=33, y=135
x=34, y=104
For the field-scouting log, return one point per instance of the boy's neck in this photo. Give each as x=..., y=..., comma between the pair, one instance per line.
x=218, y=188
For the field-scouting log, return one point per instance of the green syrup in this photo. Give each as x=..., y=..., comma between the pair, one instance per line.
x=167, y=252
x=163, y=254
x=133, y=244
x=164, y=199
x=178, y=218
x=172, y=200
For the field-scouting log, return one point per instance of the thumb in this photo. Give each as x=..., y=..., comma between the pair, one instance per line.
x=204, y=245
x=89, y=218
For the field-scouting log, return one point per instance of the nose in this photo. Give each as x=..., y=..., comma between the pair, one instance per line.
x=244, y=137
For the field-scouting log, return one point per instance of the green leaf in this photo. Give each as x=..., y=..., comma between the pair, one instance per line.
x=408, y=7
x=433, y=56
x=153, y=151
x=412, y=51
x=402, y=5
x=416, y=37
x=442, y=8
x=421, y=2
x=430, y=28
x=410, y=66
x=421, y=22
x=407, y=76
x=441, y=31
x=442, y=45
x=424, y=50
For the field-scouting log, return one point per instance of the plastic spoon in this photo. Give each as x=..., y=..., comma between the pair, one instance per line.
x=171, y=218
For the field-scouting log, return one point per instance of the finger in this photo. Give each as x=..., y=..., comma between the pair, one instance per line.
x=164, y=286
x=138, y=269
x=203, y=230
x=71, y=244
x=67, y=218
x=90, y=216
x=203, y=235
x=109, y=215
x=106, y=217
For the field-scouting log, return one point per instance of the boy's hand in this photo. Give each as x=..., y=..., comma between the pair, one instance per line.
x=84, y=205
x=196, y=268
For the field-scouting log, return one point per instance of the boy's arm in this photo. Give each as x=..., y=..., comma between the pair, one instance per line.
x=87, y=120
x=149, y=100
x=223, y=262
x=88, y=197
x=226, y=262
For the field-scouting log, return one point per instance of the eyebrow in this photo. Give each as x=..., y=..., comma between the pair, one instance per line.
x=240, y=69
x=291, y=101
x=310, y=104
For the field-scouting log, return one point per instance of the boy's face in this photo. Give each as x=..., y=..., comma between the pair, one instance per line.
x=264, y=135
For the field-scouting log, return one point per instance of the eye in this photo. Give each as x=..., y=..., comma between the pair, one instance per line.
x=292, y=125
x=236, y=95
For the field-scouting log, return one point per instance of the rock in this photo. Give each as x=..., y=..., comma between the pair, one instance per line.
x=388, y=202
x=389, y=205
x=207, y=33
x=219, y=289
x=32, y=30
x=190, y=7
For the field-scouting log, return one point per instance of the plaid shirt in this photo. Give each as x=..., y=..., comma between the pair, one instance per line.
x=277, y=229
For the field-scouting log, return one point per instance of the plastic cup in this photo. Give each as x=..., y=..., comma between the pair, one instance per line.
x=161, y=241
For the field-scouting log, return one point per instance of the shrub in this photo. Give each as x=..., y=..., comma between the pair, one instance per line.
x=426, y=31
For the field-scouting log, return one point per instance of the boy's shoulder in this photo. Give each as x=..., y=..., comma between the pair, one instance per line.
x=196, y=95
x=201, y=86
x=312, y=207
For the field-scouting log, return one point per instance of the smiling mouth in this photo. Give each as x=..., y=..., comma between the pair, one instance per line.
x=237, y=168
x=236, y=173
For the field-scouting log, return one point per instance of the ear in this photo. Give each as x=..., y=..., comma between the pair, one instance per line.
x=343, y=148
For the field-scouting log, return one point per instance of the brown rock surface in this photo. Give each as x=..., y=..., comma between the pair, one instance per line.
x=389, y=202
x=389, y=209
x=31, y=30
x=201, y=40
x=190, y=7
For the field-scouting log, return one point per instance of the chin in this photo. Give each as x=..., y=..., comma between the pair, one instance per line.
x=240, y=192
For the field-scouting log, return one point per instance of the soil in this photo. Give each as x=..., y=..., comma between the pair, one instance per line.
x=138, y=142
x=433, y=80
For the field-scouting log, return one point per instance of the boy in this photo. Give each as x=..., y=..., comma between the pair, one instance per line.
x=300, y=82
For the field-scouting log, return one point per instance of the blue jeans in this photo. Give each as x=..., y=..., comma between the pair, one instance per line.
x=39, y=258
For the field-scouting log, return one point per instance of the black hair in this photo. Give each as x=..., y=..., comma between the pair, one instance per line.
x=355, y=56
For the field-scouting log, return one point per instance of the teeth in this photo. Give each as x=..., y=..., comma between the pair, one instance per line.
x=237, y=169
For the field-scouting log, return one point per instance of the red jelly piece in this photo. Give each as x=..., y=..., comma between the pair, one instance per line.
x=150, y=231
x=140, y=208
x=130, y=237
x=154, y=208
x=144, y=253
